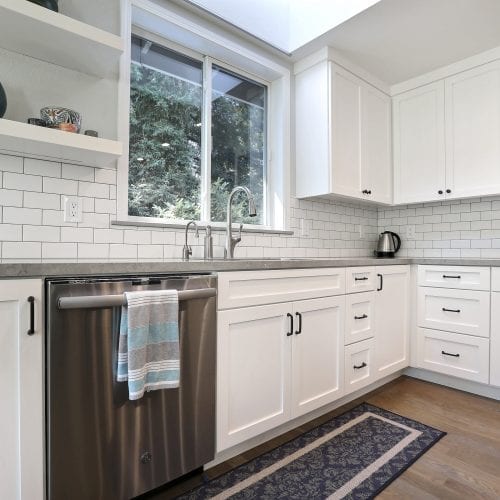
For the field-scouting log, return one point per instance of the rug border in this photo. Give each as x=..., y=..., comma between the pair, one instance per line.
x=390, y=481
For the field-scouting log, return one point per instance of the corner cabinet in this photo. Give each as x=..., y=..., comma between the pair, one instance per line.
x=342, y=136
x=21, y=386
x=447, y=137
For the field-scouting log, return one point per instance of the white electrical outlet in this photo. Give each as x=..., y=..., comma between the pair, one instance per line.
x=72, y=209
x=410, y=232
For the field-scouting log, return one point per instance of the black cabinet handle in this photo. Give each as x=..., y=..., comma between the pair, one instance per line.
x=440, y=191
x=451, y=310
x=361, y=317
x=290, y=332
x=362, y=365
x=300, y=323
x=448, y=191
x=444, y=353
x=361, y=279
x=381, y=282
x=31, y=301
x=447, y=276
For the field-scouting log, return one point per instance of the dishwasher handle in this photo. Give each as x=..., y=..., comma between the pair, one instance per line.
x=102, y=301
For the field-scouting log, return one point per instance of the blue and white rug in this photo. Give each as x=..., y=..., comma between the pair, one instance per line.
x=355, y=455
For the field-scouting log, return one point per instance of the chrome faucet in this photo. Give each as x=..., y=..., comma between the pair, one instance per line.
x=187, y=251
x=231, y=241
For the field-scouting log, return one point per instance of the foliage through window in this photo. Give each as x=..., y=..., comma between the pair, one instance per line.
x=168, y=168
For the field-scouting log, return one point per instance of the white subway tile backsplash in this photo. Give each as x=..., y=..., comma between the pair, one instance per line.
x=105, y=176
x=42, y=167
x=11, y=232
x=41, y=233
x=93, y=251
x=78, y=173
x=122, y=252
x=22, y=182
x=60, y=186
x=77, y=234
x=59, y=251
x=14, y=215
x=93, y=189
x=21, y=250
x=103, y=206
x=11, y=163
x=11, y=198
x=108, y=236
x=42, y=200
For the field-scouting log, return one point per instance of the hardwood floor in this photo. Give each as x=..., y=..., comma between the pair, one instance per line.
x=465, y=464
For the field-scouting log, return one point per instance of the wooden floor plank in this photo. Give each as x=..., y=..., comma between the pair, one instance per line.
x=465, y=464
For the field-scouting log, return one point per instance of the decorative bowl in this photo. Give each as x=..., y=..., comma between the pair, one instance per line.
x=48, y=4
x=55, y=115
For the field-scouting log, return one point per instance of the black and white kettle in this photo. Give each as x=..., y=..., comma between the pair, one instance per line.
x=388, y=244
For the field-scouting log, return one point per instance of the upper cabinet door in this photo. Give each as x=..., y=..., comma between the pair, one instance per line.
x=376, y=154
x=473, y=132
x=419, y=145
x=346, y=132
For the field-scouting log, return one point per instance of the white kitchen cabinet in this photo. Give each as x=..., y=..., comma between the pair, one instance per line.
x=463, y=356
x=392, y=320
x=276, y=362
x=21, y=386
x=473, y=132
x=343, y=135
x=253, y=372
x=419, y=144
x=446, y=137
x=495, y=340
x=317, y=354
x=359, y=368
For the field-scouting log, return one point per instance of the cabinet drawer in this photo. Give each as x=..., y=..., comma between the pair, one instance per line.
x=360, y=317
x=359, y=369
x=360, y=279
x=252, y=288
x=467, y=278
x=454, y=354
x=461, y=311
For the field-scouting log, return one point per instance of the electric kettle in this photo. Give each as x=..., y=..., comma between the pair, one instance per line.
x=388, y=244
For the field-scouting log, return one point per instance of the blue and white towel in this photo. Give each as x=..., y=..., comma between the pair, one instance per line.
x=148, y=350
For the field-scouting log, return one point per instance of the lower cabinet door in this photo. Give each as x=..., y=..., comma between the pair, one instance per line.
x=392, y=319
x=358, y=366
x=495, y=340
x=455, y=354
x=21, y=388
x=253, y=372
x=317, y=353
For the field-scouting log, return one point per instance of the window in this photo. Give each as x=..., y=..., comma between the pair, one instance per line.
x=173, y=173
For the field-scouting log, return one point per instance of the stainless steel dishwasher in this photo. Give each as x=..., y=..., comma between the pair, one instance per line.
x=100, y=445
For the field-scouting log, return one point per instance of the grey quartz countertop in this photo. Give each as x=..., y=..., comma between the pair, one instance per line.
x=42, y=270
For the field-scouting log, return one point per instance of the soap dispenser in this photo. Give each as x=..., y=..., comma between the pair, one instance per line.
x=209, y=245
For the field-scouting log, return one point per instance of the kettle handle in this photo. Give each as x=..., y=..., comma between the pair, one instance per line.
x=398, y=243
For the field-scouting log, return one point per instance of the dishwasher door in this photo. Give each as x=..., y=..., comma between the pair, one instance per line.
x=100, y=445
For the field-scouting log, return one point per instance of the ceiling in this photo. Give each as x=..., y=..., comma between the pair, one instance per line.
x=399, y=39
x=395, y=40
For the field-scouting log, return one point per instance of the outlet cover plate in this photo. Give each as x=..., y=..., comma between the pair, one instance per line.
x=72, y=209
x=410, y=232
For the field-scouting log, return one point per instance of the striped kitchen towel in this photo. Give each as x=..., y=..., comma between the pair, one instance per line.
x=148, y=349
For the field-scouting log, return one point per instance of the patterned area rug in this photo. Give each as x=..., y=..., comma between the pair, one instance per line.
x=355, y=455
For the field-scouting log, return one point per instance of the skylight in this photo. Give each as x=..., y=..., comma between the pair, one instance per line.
x=285, y=24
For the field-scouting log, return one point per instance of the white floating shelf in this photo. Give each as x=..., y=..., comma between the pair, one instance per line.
x=37, y=32
x=40, y=142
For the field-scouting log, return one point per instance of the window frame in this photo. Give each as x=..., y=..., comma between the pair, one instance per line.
x=276, y=173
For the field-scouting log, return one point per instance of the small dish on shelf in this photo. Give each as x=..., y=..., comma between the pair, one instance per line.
x=55, y=116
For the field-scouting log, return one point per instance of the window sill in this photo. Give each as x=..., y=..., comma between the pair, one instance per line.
x=246, y=229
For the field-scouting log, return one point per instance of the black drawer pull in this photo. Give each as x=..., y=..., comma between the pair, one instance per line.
x=290, y=332
x=444, y=353
x=381, y=282
x=361, y=279
x=451, y=310
x=362, y=365
x=451, y=277
x=297, y=332
x=31, y=301
x=361, y=317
